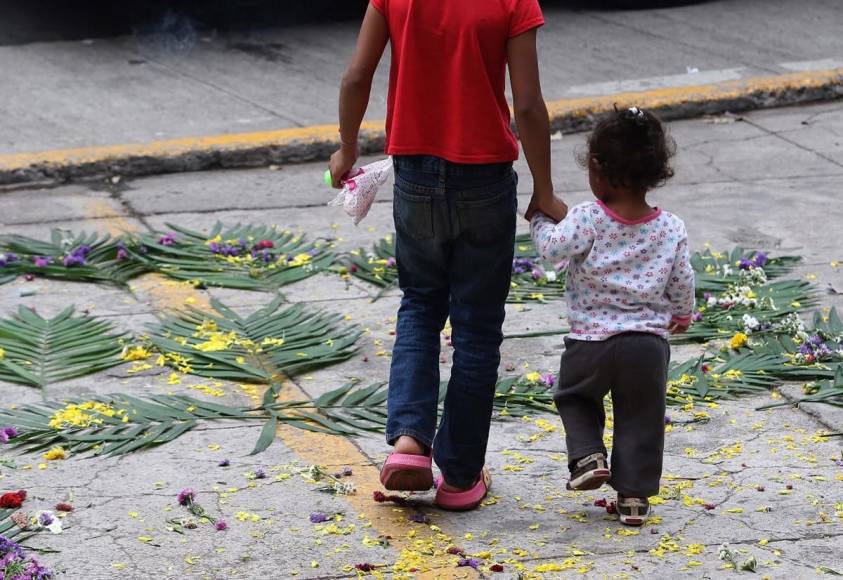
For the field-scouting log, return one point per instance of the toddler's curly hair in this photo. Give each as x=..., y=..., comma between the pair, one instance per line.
x=632, y=149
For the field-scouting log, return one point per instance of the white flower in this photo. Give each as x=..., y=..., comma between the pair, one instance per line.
x=550, y=275
x=712, y=301
x=48, y=520
x=750, y=323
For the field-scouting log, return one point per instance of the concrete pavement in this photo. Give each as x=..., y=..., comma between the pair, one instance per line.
x=770, y=180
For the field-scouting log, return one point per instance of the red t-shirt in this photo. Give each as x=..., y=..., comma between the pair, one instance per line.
x=447, y=80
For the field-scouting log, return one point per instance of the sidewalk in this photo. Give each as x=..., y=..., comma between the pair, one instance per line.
x=148, y=105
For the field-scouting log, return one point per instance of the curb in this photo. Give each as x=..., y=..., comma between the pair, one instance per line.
x=318, y=142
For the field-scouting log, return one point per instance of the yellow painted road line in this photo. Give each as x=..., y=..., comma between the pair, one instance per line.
x=572, y=111
x=386, y=520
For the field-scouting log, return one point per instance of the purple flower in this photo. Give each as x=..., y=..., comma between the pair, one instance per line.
x=697, y=316
x=260, y=473
x=167, y=239
x=419, y=518
x=345, y=472
x=45, y=519
x=537, y=274
x=221, y=525
x=390, y=262
x=473, y=562
x=122, y=254
x=549, y=380
x=82, y=250
x=42, y=261
x=745, y=264
x=224, y=463
x=9, y=547
x=318, y=518
x=667, y=420
x=707, y=296
x=8, y=433
x=186, y=497
x=73, y=259
x=7, y=258
x=518, y=270
x=760, y=259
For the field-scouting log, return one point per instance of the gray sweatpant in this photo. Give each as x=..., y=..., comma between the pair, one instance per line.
x=633, y=366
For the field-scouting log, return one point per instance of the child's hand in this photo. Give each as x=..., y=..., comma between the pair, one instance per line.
x=678, y=326
x=341, y=163
x=551, y=206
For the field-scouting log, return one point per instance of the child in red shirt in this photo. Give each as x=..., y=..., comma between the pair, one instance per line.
x=448, y=129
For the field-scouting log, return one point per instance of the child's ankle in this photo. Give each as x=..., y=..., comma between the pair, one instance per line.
x=408, y=445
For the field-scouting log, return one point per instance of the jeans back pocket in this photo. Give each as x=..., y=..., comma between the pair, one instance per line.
x=413, y=213
x=489, y=214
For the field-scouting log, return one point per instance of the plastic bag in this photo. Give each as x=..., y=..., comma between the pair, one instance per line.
x=361, y=187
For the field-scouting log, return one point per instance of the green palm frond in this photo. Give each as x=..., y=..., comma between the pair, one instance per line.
x=259, y=348
x=246, y=257
x=716, y=270
x=774, y=301
x=97, y=258
x=376, y=266
x=706, y=379
x=111, y=425
x=37, y=351
x=119, y=424
x=10, y=530
x=525, y=247
x=829, y=392
x=532, y=280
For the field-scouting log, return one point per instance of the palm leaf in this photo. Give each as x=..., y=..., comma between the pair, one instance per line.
x=40, y=351
x=260, y=348
x=102, y=258
x=775, y=301
x=532, y=281
x=246, y=257
x=716, y=270
x=377, y=267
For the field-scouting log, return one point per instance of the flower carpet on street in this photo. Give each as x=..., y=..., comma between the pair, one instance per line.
x=242, y=420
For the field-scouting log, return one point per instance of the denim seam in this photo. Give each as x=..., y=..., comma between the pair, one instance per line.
x=392, y=436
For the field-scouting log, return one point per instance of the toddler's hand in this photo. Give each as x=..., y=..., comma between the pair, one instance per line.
x=551, y=206
x=341, y=163
x=677, y=327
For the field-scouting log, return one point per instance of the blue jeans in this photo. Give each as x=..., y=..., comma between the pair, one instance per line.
x=455, y=236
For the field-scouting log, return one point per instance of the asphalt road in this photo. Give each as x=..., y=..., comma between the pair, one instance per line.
x=70, y=83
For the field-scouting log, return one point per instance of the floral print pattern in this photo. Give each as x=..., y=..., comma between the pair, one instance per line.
x=623, y=276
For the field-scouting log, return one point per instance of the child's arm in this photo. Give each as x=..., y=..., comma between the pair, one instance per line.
x=533, y=123
x=355, y=89
x=573, y=236
x=680, y=288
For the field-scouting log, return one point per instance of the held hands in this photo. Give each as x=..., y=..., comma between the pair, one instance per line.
x=341, y=163
x=549, y=205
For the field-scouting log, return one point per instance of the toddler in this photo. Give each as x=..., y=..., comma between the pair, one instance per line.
x=629, y=285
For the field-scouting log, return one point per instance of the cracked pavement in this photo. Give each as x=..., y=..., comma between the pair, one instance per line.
x=761, y=481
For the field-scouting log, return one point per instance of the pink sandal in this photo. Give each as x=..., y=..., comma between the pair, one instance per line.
x=464, y=500
x=406, y=472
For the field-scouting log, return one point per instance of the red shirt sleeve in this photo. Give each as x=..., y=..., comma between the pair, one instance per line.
x=380, y=6
x=527, y=14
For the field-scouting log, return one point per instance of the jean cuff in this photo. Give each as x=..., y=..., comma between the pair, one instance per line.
x=392, y=436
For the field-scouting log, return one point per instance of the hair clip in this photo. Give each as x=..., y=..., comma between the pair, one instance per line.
x=635, y=115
